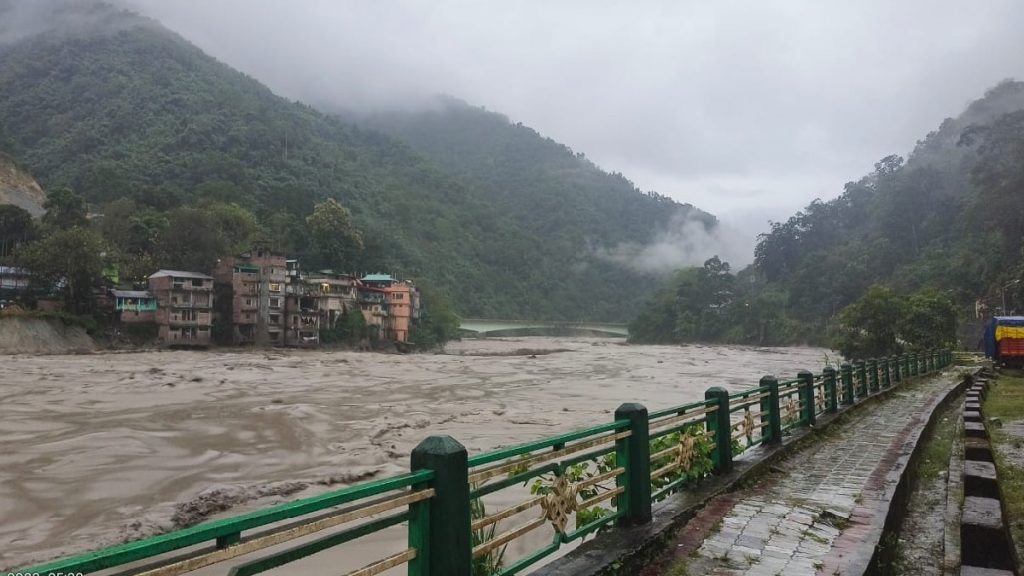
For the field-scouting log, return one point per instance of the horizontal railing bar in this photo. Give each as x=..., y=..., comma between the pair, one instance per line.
x=385, y=564
x=600, y=478
x=282, y=557
x=531, y=559
x=680, y=428
x=583, y=531
x=281, y=536
x=679, y=410
x=746, y=393
x=149, y=547
x=689, y=417
x=489, y=473
x=508, y=536
x=507, y=512
x=601, y=497
x=496, y=455
x=512, y=480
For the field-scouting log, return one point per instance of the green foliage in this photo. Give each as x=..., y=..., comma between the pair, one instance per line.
x=950, y=218
x=16, y=227
x=700, y=465
x=929, y=320
x=867, y=328
x=70, y=259
x=350, y=328
x=490, y=563
x=883, y=323
x=331, y=231
x=437, y=323
x=503, y=220
x=64, y=209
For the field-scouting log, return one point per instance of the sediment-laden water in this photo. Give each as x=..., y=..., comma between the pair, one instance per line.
x=101, y=448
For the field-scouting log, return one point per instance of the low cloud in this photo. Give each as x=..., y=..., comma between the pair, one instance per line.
x=685, y=242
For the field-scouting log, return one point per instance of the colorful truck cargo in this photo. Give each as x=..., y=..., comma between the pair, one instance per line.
x=1004, y=339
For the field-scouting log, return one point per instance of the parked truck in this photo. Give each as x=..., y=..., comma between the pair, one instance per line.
x=1004, y=339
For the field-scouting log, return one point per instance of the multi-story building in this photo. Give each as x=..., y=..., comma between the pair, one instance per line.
x=184, y=310
x=335, y=294
x=302, y=318
x=254, y=284
x=401, y=305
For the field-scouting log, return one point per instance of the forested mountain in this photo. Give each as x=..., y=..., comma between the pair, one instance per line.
x=171, y=142
x=541, y=183
x=946, y=224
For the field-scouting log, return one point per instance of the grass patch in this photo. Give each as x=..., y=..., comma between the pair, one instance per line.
x=680, y=568
x=938, y=445
x=1006, y=401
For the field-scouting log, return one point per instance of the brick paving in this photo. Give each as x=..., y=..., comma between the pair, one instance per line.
x=816, y=510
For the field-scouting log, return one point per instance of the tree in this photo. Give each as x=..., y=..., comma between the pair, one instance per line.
x=16, y=227
x=69, y=259
x=333, y=234
x=868, y=327
x=929, y=321
x=64, y=209
x=437, y=323
x=191, y=241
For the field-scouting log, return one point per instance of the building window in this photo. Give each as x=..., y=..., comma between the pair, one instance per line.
x=275, y=318
x=197, y=282
x=275, y=287
x=248, y=301
x=275, y=302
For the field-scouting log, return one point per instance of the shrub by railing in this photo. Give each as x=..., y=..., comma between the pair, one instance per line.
x=579, y=483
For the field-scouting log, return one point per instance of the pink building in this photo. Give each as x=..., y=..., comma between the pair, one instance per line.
x=184, y=311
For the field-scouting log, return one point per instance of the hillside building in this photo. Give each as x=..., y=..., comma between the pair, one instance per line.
x=184, y=309
x=251, y=288
x=133, y=306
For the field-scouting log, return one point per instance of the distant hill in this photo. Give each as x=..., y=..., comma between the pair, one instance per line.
x=19, y=188
x=123, y=108
x=949, y=218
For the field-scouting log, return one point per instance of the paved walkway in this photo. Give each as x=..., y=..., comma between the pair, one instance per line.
x=814, y=514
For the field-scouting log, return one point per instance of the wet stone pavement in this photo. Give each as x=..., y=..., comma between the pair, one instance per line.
x=814, y=513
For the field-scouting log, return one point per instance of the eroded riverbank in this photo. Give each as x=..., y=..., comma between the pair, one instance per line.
x=106, y=447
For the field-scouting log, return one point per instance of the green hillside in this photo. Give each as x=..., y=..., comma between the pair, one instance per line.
x=947, y=224
x=146, y=127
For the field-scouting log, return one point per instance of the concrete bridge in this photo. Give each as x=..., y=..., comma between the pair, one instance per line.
x=489, y=326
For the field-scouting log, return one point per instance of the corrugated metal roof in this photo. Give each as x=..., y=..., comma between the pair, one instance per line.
x=131, y=294
x=179, y=274
x=378, y=278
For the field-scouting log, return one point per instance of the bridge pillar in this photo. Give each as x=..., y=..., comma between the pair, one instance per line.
x=771, y=403
x=847, y=375
x=719, y=423
x=806, y=379
x=634, y=453
x=448, y=524
x=831, y=393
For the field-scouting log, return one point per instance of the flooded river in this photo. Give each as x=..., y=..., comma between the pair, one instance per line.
x=101, y=448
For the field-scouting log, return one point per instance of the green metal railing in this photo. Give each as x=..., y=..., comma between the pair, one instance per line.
x=570, y=485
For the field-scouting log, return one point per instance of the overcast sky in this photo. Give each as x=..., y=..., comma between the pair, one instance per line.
x=746, y=109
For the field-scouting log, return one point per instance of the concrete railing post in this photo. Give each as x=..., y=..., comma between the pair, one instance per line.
x=806, y=379
x=448, y=524
x=831, y=393
x=846, y=373
x=635, y=452
x=774, y=414
x=720, y=423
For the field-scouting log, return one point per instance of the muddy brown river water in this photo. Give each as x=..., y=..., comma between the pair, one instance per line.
x=101, y=448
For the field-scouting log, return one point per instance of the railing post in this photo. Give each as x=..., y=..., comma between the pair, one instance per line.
x=886, y=372
x=831, y=394
x=846, y=372
x=774, y=414
x=862, y=379
x=634, y=452
x=807, y=395
x=873, y=374
x=449, y=546
x=720, y=423
x=905, y=359
x=895, y=360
